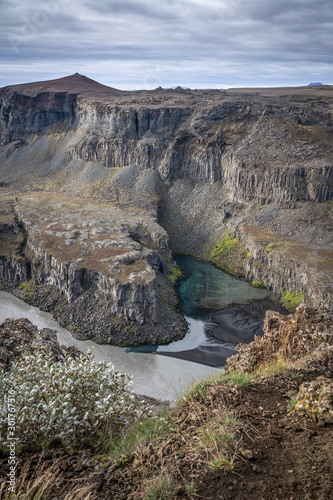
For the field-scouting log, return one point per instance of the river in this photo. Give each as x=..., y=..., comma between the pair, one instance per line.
x=156, y=376
x=221, y=311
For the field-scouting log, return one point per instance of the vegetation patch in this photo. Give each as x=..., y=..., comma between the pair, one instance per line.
x=315, y=400
x=28, y=288
x=139, y=433
x=274, y=246
x=74, y=400
x=229, y=255
x=160, y=487
x=239, y=378
x=291, y=300
x=175, y=273
x=226, y=244
x=258, y=284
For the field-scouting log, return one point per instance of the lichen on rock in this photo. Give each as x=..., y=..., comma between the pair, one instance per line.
x=315, y=400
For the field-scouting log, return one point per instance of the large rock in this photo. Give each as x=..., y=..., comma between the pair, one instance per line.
x=18, y=333
x=286, y=338
x=315, y=401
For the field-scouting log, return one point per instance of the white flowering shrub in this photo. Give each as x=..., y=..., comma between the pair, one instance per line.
x=77, y=400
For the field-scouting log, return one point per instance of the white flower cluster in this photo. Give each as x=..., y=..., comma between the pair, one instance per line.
x=77, y=400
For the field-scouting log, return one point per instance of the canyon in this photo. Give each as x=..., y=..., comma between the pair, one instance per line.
x=98, y=187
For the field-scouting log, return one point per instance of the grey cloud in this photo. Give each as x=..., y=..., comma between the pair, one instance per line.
x=148, y=10
x=188, y=40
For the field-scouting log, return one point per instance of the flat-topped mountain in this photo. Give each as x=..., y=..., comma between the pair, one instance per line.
x=180, y=170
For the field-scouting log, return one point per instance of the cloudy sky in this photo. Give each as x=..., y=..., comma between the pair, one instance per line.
x=132, y=44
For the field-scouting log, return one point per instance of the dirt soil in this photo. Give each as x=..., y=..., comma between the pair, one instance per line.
x=292, y=459
x=278, y=455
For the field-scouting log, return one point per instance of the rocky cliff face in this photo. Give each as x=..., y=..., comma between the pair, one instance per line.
x=23, y=115
x=116, y=289
x=261, y=149
x=203, y=164
x=226, y=143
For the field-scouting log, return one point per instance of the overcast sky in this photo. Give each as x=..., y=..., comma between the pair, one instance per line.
x=134, y=44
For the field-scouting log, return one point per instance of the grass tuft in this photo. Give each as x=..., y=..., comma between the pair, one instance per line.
x=221, y=463
x=291, y=300
x=279, y=366
x=258, y=284
x=195, y=391
x=140, y=433
x=292, y=403
x=239, y=378
x=161, y=487
x=191, y=488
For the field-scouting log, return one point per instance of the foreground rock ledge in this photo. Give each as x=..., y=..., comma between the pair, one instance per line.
x=286, y=338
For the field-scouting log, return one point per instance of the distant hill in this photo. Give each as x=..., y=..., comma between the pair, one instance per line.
x=76, y=83
x=314, y=84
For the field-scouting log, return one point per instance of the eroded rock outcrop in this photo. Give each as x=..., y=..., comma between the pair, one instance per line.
x=290, y=337
x=15, y=333
x=116, y=288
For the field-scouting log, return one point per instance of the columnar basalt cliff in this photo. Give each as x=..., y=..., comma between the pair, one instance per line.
x=115, y=288
x=254, y=165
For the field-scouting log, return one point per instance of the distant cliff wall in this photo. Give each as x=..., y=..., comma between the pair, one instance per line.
x=22, y=115
x=219, y=145
x=242, y=143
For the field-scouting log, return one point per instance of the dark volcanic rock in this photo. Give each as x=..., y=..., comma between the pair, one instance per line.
x=17, y=332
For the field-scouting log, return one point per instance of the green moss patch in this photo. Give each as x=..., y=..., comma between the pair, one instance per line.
x=229, y=255
x=226, y=244
x=175, y=273
x=274, y=246
x=258, y=284
x=291, y=300
x=28, y=287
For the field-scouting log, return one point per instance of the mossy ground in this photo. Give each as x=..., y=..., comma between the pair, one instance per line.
x=28, y=288
x=229, y=255
x=175, y=273
x=291, y=300
x=258, y=284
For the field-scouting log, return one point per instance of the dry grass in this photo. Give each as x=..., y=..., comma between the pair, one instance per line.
x=320, y=259
x=37, y=486
x=159, y=487
x=210, y=431
x=40, y=484
x=218, y=440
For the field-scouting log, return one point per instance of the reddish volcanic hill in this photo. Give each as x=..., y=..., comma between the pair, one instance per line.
x=73, y=84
